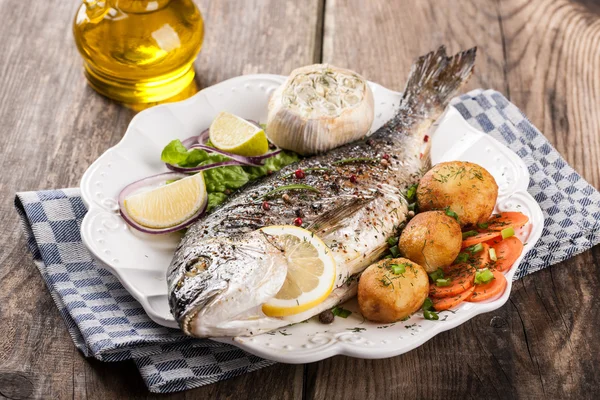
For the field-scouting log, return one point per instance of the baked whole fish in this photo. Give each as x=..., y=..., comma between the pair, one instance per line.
x=225, y=268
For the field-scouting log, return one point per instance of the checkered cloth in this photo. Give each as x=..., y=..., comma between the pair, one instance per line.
x=105, y=322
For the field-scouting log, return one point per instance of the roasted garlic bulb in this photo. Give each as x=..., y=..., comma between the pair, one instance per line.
x=318, y=108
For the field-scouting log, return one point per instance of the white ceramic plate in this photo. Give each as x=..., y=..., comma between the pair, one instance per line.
x=140, y=261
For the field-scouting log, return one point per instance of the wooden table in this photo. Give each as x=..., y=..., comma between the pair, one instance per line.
x=542, y=54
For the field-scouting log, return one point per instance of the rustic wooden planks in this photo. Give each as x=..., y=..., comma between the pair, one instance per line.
x=543, y=54
x=54, y=126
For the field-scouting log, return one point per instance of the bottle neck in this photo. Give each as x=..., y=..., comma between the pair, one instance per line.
x=138, y=6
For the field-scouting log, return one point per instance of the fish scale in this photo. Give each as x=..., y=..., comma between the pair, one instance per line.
x=224, y=269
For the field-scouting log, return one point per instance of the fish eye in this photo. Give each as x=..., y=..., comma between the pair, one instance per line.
x=196, y=265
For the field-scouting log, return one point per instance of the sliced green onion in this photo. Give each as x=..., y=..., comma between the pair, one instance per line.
x=398, y=269
x=393, y=240
x=483, y=276
x=462, y=257
x=412, y=207
x=493, y=256
x=427, y=304
x=389, y=256
x=394, y=250
x=431, y=315
x=469, y=234
x=508, y=232
x=437, y=274
x=451, y=213
x=340, y=312
x=476, y=248
x=483, y=226
x=411, y=192
x=427, y=310
x=443, y=282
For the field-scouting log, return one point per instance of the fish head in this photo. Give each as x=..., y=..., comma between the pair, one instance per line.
x=221, y=283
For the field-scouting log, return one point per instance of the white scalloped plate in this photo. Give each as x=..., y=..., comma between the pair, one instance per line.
x=140, y=261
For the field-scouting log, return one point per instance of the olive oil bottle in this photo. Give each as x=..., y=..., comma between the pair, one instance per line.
x=139, y=51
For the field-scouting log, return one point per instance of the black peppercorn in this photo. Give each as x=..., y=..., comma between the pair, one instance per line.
x=326, y=317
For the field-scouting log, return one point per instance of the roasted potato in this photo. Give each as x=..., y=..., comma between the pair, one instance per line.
x=464, y=188
x=392, y=289
x=431, y=239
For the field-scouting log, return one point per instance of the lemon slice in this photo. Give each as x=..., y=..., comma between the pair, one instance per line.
x=168, y=205
x=310, y=271
x=231, y=133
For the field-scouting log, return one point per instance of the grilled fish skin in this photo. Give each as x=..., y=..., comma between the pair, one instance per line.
x=224, y=268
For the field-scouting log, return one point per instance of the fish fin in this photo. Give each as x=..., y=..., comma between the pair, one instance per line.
x=332, y=220
x=434, y=78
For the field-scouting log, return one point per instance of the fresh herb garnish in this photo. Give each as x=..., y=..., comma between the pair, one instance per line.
x=508, y=232
x=428, y=312
x=483, y=225
x=476, y=248
x=296, y=186
x=395, y=251
x=462, y=257
x=353, y=159
x=437, y=274
x=411, y=192
x=398, y=269
x=341, y=312
x=483, y=276
x=356, y=330
x=306, y=170
x=393, y=240
x=469, y=234
x=443, y=282
x=451, y=213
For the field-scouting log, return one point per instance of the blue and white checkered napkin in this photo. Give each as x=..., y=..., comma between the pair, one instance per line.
x=107, y=323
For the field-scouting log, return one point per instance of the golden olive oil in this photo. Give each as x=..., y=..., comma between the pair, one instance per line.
x=139, y=51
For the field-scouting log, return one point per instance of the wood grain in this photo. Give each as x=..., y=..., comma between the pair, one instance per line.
x=381, y=39
x=54, y=126
x=543, y=54
x=553, y=64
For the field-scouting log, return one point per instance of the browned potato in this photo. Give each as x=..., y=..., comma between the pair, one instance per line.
x=465, y=188
x=431, y=239
x=392, y=289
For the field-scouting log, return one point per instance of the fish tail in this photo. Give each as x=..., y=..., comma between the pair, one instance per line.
x=434, y=79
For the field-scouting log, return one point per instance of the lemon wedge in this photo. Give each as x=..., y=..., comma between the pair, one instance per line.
x=168, y=205
x=231, y=133
x=311, y=271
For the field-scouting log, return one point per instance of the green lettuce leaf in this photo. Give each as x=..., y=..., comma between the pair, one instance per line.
x=274, y=163
x=223, y=180
x=176, y=153
x=214, y=199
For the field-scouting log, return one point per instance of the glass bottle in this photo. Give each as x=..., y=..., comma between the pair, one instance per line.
x=139, y=51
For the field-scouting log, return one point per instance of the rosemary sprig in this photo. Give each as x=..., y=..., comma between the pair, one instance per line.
x=295, y=186
x=354, y=159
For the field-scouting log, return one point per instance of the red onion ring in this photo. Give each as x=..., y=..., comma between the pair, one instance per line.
x=187, y=170
x=146, y=182
x=203, y=137
x=199, y=142
x=241, y=159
